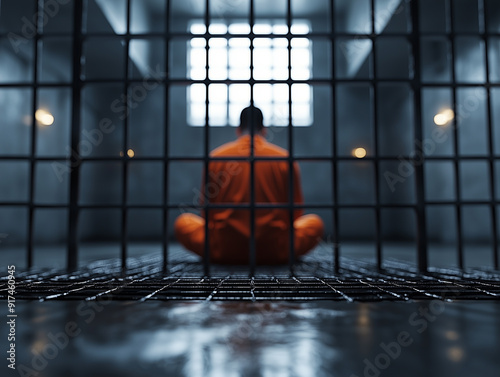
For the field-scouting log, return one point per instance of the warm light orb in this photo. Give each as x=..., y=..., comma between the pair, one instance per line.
x=444, y=117
x=359, y=152
x=44, y=117
x=130, y=153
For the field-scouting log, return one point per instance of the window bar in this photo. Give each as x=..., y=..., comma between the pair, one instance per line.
x=291, y=202
x=125, y=161
x=75, y=158
x=34, y=105
x=334, y=159
x=252, y=153
x=418, y=163
x=166, y=150
x=491, y=149
x=375, y=138
x=206, y=254
x=456, y=160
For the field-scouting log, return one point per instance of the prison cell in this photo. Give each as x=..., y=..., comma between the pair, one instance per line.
x=111, y=109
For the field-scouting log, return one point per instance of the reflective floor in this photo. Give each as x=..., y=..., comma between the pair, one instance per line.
x=431, y=338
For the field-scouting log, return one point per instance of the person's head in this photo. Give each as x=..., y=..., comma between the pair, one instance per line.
x=251, y=117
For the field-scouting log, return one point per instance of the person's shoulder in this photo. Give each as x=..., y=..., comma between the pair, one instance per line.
x=275, y=149
x=229, y=148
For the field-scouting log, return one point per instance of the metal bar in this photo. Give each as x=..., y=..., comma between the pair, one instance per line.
x=125, y=157
x=253, y=257
x=33, y=135
x=178, y=34
x=458, y=208
x=291, y=193
x=491, y=146
x=186, y=81
x=335, y=157
x=418, y=134
x=166, y=142
x=206, y=254
x=378, y=227
x=247, y=206
x=72, y=251
x=258, y=158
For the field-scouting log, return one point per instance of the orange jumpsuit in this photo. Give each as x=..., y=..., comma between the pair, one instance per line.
x=229, y=183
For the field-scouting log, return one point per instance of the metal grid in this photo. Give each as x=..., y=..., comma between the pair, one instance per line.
x=145, y=280
x=418, y=159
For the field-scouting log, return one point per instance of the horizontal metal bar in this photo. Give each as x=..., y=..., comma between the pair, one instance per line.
x=247, y=159
x=248, y=206
x=251, y=35
x=314, y=81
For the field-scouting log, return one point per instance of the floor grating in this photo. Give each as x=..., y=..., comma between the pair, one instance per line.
x=311, y=280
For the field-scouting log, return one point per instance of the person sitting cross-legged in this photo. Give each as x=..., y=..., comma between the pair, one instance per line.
x=229, y=183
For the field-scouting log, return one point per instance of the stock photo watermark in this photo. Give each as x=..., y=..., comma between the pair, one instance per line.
x=11, y=316
x=419, y=321
x=29, y=31
x=87, y=311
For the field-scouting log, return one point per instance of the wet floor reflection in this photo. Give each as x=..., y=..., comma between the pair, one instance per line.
x=258, y=339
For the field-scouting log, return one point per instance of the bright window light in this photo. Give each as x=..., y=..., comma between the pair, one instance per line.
x=229, y=59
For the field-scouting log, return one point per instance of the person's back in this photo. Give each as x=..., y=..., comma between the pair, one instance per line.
x=231, y=227
x=229, y=184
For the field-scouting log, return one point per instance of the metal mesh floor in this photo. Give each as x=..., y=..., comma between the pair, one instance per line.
x=312, y=279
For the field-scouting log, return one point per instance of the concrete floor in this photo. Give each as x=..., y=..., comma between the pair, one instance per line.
x=257, y=339
x=81, y=338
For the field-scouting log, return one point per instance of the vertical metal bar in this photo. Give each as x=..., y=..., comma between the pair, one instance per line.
x=125, y=158
x=206, y=254
x=418, y=134
x=334, y=161
x=456, y=160
x=166, y=141
x=253, y=260
x=291, y=202
x=72, y=251
x=34, y=104
x=376, y=161
x=491, y=147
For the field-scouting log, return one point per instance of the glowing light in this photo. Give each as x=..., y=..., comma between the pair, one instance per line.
x=451, y=335
x=130, y=153
x=44, y=117
x=359, y=152
x=455, y=354
x=444, y=117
